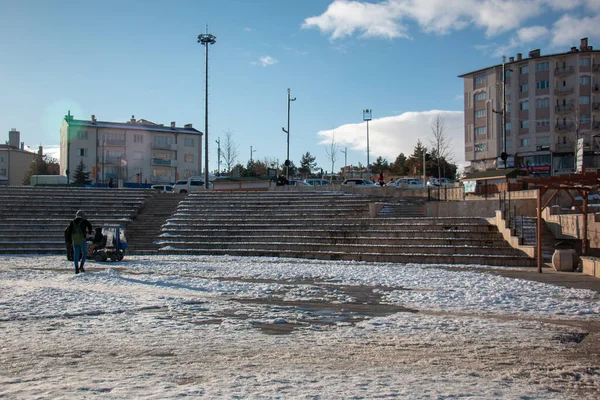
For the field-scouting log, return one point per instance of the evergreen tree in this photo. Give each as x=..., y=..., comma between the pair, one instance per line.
x=415, y=161
x=399, y=166
x=81, y=177
x=307, y=164
x=380, y=165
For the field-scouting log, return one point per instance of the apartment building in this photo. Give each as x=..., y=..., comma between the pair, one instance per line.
x=539, y=110
x=15, y=160
x=133, y=151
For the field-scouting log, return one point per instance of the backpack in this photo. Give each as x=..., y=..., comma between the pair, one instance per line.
x=77, y=235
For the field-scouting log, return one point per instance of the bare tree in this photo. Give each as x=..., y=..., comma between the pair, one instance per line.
x=440, y=143
x=331, y=151
x=229, y=151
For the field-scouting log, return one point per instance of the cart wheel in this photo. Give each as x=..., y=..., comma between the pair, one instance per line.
x=113, y=257
x=99, y=257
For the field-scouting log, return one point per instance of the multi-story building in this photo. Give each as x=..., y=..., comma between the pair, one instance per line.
x=15, y=160
x=536, y=110
x=135, y=151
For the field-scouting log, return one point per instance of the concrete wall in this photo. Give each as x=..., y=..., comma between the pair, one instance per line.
x=591, y=266
x=570, y=226
x=478, y=208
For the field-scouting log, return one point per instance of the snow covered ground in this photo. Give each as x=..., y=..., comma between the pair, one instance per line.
x=232, y=327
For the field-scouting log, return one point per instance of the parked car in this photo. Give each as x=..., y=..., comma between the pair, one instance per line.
x=191, y=184
x=441, y=182
x=163, y=188
x=358, y=182
x=293, y=182
x=407, y=183
x=318, y=182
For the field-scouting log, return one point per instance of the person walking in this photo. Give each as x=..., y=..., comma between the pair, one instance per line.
x=77, y=232
x=381, y=179
x=111, y=183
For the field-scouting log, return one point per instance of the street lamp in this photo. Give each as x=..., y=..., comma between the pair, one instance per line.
x=367, y=117
x=206, y=39
x=251, y=151
x=287, y=160
x=218, y=142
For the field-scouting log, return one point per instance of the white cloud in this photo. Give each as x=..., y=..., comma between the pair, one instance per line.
x=389, y=19
x=532, y=33
x=390, y=136
x=265, y=61
x=568, y=30
x=344, y=18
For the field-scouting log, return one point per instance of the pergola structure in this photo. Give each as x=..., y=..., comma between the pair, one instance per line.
x=582, y=183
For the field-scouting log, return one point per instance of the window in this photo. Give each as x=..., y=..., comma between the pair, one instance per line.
x=543, y=141
x=479, y=96
x=481, y=130
x=138, y=138
x=525, y=142
x=524, y=106
x=584, y=119
x=479, y=79
x=162, y=141
x=138, y=155
x=584, y=80
x=1, y=158
x=525, y=124
x=480, y=147
x=542, y=84
x=524, y=88
x=82, y=135
x=188, y=142
x=188, y=158
x=3, y=172
x=508, y=126
x=82, y=152
x=542, y=122
x=584, y=62
x=545, y=66
x=524, y=69
x=584, y=99
x=480, y=113
x=542, y=103
x=508, y=144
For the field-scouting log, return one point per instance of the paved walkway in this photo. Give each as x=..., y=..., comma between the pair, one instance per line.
x=575, y=280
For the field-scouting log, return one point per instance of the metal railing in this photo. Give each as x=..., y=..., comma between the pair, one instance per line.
x=523, y=227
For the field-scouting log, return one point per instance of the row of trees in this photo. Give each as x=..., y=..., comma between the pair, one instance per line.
x=438, y=159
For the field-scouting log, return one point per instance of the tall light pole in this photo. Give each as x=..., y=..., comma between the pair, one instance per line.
x=345, y=151
x=287, y=160
x=251, y=151
x=218, y=156
x=367, y=117
x=206, y=39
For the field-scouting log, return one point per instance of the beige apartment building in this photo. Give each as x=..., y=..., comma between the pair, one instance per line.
x=137, y=151
x=539, y=108
x=15, y=161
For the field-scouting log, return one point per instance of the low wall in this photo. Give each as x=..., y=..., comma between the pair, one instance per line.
x=591, y=266
x=478, y=207
x=570, y=226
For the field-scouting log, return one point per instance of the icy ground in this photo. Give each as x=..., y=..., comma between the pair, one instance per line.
x=230, y=327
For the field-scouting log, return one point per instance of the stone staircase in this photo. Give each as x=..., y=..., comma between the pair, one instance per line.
x=329, y=226
x=403, y=207
x=142, y=234
x=34, y=218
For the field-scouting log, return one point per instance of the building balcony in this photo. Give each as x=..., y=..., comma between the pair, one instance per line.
x=596, y=88
x=165, y=146
x=596, y=106
x=114, y=142
x=563, y=148
x=563, y=91
x=563, y=127
x=564, y=71
x=164, y=163
x=109, y=160
x=563, y=108
x=596, y=125
x=596, y=67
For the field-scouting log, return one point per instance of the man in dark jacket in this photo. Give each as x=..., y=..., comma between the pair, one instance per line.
x=77, y=231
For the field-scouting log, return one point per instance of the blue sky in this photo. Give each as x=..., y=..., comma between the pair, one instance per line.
x=400, y=58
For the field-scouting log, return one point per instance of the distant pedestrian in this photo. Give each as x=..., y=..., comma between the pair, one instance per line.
x=77, y=232
x=381, y=179
x=111, y=183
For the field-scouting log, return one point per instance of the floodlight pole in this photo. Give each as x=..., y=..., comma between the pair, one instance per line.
x=206, y=39
x=218, y=156
x=287, y=160
x=367, y=113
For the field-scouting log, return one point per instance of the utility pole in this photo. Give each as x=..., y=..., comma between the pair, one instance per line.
x=251, y=151
x=345, y=151
x=367, y=114
x=218, y=156
x=504, y=154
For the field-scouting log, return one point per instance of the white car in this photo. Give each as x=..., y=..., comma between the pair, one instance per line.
x=407, y=183
x=358, y=182
x=191, y=184
x=162, y=188
x=442, y=182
